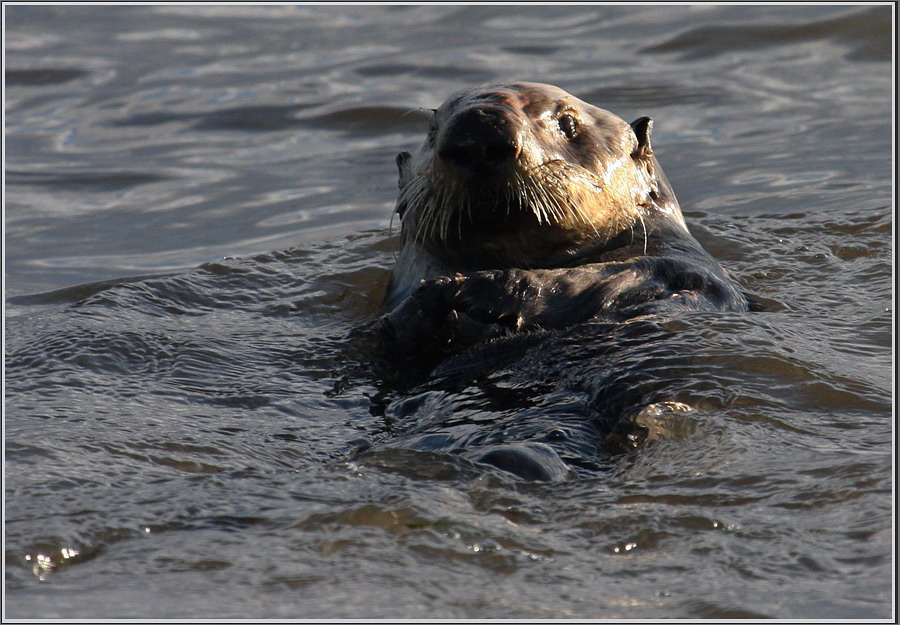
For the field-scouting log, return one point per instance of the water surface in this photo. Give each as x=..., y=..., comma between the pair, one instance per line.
x=198, y=211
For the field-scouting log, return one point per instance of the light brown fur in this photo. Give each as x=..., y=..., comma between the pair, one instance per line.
x=575, y=177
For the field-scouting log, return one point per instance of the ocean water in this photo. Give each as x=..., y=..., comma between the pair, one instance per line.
x=198, y=212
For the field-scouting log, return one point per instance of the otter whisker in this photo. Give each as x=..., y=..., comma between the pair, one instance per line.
x=644, y=225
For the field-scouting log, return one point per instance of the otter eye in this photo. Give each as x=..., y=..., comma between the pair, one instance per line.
x=569, y=126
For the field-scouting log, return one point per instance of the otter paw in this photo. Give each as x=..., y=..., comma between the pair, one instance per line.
x=493, y=298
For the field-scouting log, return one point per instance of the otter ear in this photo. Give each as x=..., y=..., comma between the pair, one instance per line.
x=642, y=127
x=401, y=161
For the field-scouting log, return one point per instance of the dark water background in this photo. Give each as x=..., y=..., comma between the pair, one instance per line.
x=178, y=438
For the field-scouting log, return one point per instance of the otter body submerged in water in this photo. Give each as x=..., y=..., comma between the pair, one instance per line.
x=526, y=212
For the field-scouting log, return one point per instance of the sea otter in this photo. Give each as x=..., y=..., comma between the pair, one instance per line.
x=542, y=249
x=528, y=209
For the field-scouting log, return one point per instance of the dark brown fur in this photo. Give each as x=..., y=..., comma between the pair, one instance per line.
x=526, y=208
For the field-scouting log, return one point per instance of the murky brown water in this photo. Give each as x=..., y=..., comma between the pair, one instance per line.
x=179, y=440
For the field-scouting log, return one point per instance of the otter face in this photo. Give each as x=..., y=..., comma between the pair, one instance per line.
x=525, y=171
x=484, y=134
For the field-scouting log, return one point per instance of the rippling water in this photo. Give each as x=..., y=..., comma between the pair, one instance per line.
x=198, y=211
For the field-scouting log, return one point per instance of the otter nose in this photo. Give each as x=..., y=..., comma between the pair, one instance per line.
x=479, y=140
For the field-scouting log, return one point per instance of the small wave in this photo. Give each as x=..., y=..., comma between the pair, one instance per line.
x=865, y=32
x=40, y=77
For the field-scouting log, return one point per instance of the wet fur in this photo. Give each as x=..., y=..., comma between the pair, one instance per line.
x=574, y=228
x=561, y=222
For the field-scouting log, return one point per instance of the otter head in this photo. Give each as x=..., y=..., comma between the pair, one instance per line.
x=527, y=175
